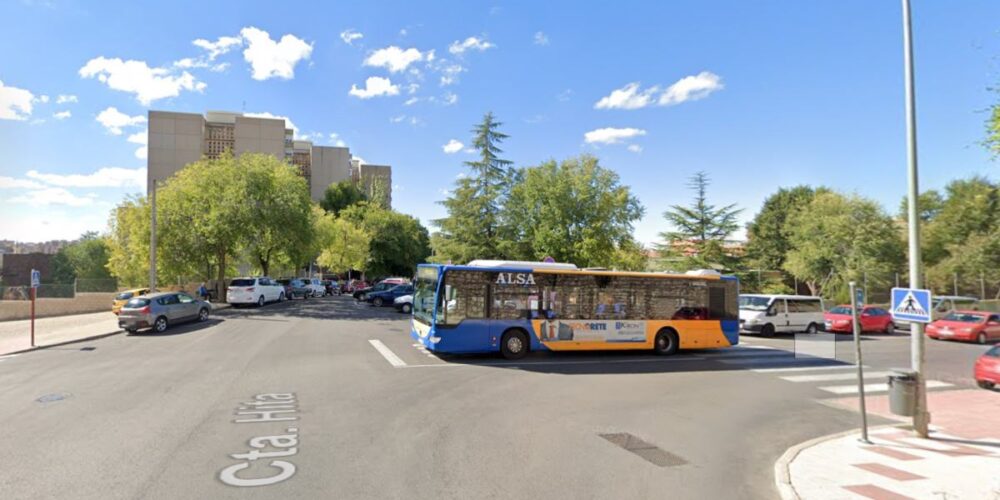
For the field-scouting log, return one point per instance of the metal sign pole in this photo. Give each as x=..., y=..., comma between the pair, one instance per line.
x=921, y=417
x=33, y=316
x=857, y=363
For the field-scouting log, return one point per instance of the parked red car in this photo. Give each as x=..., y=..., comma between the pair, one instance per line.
x=871, y=319
x=987, y=371
x=977, y=326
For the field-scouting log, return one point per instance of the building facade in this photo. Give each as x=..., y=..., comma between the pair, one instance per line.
x=177, y=139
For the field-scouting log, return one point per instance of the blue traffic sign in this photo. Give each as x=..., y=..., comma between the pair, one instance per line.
x=859, y=298
x=911, y=304
x=36, y=278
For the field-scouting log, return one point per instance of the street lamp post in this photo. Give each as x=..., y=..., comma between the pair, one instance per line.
x=152, y=236
x=921, y=417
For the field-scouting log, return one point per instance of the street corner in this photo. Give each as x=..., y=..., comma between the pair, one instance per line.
x=895, y=464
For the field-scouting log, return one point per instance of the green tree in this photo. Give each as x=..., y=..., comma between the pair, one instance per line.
x=341, y=195
x=703, y=226
x=280, y=225
x=89, y=257
x=575, y=211
x=929, y=205
x=343, y=245
x=836, y=238
x=398, y=241
x=60, y=269
x=767, y=233
x=473, y=225
x=128, y=241
x=992, y=141
x=971, y=206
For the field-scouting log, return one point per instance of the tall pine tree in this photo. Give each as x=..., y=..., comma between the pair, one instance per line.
x=473, y=225
x=700, y=230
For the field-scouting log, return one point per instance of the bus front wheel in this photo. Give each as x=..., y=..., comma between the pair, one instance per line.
x=666, y=342
x=514, y=344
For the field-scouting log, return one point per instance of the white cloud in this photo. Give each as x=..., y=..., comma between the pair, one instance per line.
x=15, y=103
x=219, y=47
x=148, y=84
x=628, y=97
x=219, y=68
x=65, y=98
x=564, y=95
x=397, y=119
x=374, y=86
x=611, y=135
x=105, y=177
x=44, y=99
x=114, y=121
x=635, y=148
x=12, y=183
x=336, y=140
x=268, y=58
x=350, y=35
x=450, y=98
x=141, y=138
x=451, y=72
x=452, y=147
x=411, y=101
x=62, y=115
x=288, y=123
x=540, y=38
x=471, y=43
x=394, y=58
x=51, y=196
x=412, y=88
x=691, y=88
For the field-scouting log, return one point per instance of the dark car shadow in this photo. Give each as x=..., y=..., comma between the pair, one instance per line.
x=178, y=329
x=330, y=307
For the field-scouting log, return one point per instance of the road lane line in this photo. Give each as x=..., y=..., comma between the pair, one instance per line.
x=750, y=354
x=387, y=353
x=830, y=377
x=804, y=368
x=881, y=387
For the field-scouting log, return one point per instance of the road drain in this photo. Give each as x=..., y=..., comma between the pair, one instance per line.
x=648, y=452
x=52, y=398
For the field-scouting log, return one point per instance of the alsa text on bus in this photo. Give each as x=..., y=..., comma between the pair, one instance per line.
x=515, y=279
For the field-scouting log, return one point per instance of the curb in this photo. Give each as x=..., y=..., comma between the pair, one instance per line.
x=783, y=478
x=65, y=342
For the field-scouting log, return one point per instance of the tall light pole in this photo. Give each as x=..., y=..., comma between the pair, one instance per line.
x=921, y=417
x=152, y=236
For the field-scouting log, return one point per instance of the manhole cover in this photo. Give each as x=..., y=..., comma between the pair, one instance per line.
x=56, y=396
x=650, y=453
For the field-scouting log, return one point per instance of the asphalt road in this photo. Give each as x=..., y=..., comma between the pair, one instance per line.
x=154, y=416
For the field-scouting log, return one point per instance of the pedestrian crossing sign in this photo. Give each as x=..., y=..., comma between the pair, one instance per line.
x=911, y=304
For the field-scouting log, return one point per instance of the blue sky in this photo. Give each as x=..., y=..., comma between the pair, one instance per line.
x=758, y=94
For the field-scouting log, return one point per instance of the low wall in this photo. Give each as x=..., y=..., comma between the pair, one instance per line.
x=82, y=303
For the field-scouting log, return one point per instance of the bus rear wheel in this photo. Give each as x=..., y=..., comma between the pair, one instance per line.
x=514, y=344
x=666, y=342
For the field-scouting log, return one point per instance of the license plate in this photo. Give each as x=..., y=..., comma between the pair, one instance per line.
x=947, y=333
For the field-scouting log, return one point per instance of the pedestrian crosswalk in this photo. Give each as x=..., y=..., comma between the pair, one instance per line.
x=829, y=375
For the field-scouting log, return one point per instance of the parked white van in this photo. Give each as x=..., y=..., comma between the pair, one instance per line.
x=767, y=314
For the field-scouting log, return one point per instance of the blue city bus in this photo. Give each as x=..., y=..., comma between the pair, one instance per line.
x=516, y=307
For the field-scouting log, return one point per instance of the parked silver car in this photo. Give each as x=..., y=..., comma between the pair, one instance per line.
x=160, y=310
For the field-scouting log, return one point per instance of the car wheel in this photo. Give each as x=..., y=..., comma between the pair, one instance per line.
x=260, y=301
x=407, y=308
x=203, y=314
x=160, y=325
x=377, y=302
x=131, y=331
x=666, y=342
x=767, y=330
x=981, y=339
x=514, y=344
x=890, y=329
x=984, y=384
x=281, y=297
x=812, y=329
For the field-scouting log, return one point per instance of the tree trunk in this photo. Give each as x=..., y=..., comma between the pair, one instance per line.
x=220, y=285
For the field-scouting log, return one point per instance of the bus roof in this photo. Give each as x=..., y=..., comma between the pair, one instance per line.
x=539, y=267
x=782, y=296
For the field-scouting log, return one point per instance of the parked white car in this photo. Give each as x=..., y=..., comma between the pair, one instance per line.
x=316, y=285
x=404, y=304
x=767, y=314
x=254, y=290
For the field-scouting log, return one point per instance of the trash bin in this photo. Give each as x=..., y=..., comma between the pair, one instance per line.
x=903, y=392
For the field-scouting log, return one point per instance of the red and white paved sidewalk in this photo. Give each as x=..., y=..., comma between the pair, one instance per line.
x=961, y=460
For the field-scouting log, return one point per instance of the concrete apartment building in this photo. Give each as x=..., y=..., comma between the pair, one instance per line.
x=177, y=139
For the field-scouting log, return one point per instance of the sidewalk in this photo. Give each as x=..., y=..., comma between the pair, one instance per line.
x=960, y=460
x=15, y=336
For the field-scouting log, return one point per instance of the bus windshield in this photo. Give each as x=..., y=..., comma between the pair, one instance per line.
x=423, y=294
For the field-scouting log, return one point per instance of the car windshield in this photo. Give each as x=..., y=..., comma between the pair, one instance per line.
x=243, y=282
x=965, y=318
x=752, y=303
x=285, y=282
x=840, y=310
x=124, y=296
x=137, y=303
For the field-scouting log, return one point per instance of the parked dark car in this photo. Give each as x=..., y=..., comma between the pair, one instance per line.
x=361, y=293
x=332, y=287
x=386, y=297
x=295, y=287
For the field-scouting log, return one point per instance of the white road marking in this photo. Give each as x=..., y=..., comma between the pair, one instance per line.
x=387, y=353
x=773, y=360
x=754, y=353
x=829, y=377
x=882, y=387
x=5, y=358
x=804, y=368
x=755, y=346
